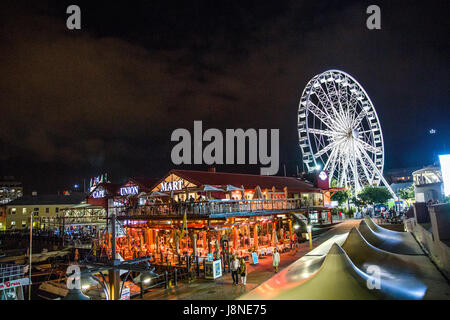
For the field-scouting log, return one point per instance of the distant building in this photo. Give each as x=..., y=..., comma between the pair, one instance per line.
x=428, y=184
x=400, y=175
x=41, y=206
x=396, y=187
x=10, y=189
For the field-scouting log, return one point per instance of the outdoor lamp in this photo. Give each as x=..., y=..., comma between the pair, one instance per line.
x=309, y=228
x=147, y=280
x=296, y=226
x=87, y=281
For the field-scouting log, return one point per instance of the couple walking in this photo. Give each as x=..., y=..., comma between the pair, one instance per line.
x=238, y=267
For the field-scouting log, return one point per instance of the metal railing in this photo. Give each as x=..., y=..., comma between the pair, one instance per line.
x=10, y=271
x=211, y=207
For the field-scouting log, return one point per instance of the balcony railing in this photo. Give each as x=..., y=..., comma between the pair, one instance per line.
x=211, y=207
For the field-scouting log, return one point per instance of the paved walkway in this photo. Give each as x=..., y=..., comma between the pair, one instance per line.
x=223, y=288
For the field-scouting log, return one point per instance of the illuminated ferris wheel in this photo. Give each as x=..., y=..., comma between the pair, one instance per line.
x=339, y=131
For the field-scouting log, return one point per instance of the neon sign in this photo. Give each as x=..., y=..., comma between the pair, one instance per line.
x=172, y=186
x=128, y=191
x=98, y=194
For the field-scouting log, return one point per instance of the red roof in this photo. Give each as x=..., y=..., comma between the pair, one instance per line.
x=249, y=181
x=145, y=183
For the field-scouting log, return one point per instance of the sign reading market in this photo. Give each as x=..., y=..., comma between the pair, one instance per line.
x=172, y=186
x=173, y=183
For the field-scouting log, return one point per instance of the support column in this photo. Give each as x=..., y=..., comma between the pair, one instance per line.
x=114, y=285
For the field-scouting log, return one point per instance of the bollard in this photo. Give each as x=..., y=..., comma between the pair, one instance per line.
x=198, y=267
x=204, y=266
x=175, y=276
x=166, y=280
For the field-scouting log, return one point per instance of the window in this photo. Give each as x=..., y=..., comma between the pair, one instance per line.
x=47, y=210
x=36, y=209
x=24, y=223
x=13, y=223
x=56, y=209
x=13, y=211
x=24, y=210
x=36, y=214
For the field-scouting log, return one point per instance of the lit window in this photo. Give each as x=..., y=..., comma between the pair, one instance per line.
x=24, y=223
x=13, y=211
x=24, y=210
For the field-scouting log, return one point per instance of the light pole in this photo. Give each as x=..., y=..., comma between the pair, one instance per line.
x=31, y=254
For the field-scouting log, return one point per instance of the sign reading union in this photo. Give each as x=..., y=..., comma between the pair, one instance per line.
x=125, y=191
x=172, y=186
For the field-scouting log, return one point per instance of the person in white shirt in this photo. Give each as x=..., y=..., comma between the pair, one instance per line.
x=276, y=260
x=235, y=270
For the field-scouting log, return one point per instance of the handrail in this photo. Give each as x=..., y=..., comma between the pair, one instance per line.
x=210, y=207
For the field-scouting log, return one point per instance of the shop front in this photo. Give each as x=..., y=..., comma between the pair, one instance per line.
x=193, y=216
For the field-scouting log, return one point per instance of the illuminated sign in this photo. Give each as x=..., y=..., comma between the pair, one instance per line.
x=128, y=191
x=445, y=169
x=172, y=186
x=98, y=194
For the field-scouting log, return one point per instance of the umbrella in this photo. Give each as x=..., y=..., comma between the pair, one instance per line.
x=258, y=194
x=207, y=187
x=232, y=188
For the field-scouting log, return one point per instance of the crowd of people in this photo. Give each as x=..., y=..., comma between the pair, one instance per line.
x=239, y=269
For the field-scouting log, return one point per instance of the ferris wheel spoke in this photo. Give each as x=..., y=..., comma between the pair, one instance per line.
x=368, y=147
x=325, y=150
x=334, y=162
x=344, y=169
x=330, y=159
x=364, y=168
x=334, y=97
x=322, y=132
x=328, y=105
x=319, y=114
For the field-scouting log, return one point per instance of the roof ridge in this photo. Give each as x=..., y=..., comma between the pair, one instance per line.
x=242, y=174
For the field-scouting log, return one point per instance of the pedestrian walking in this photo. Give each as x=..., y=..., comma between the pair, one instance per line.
x=276, y=260
x=235, y=270
x=243, y=271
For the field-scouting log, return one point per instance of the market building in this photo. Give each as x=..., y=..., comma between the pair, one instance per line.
x=208, y=213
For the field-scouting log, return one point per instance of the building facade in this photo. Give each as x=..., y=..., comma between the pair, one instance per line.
x=42, y=207
x=10, y=189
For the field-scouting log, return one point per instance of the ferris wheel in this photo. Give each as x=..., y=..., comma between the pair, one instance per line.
x=339, y=131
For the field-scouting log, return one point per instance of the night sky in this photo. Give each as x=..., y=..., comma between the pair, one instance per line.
x=106, y=98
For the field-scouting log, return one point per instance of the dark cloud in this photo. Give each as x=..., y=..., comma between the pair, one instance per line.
x=106, y=98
